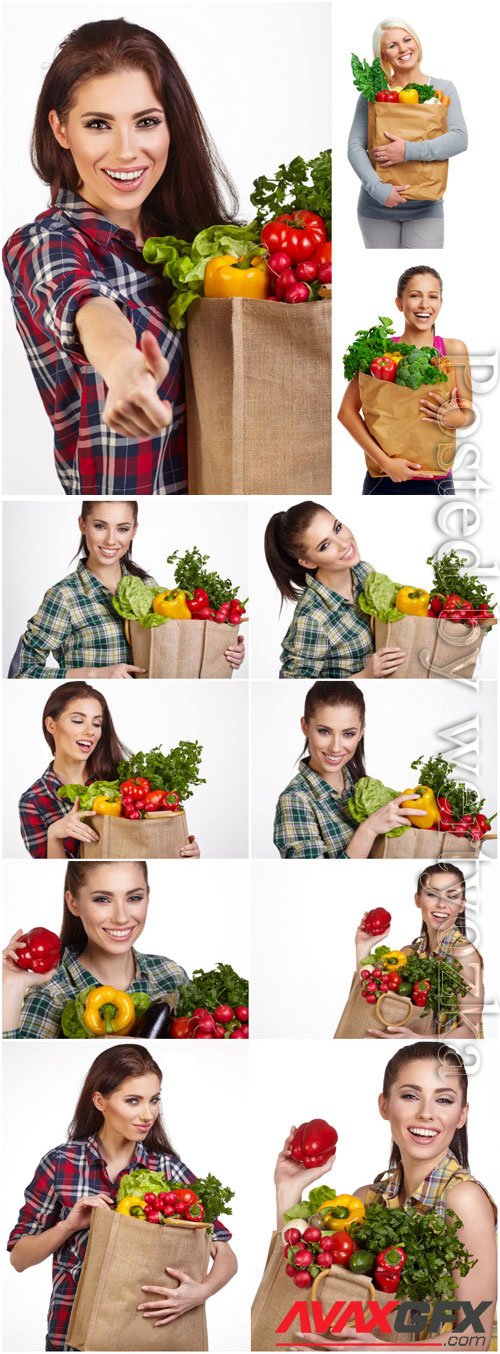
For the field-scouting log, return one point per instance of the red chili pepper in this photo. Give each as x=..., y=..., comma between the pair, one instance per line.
x=41, y=950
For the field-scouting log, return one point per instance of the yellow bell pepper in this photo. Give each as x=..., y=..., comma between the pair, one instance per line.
x=172, y=604
x=130, y=1206
x=396, y=357
x=425, y=801
x=408, y=96
x=394, y=960
x=413, y=601
x=224, y=277
x=111, y=806
x=100, y=1020
x=348, y=1206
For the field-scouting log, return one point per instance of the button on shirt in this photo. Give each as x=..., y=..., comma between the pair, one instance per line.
x=43, y=1006
x=38, y=808
x=328, y=636
x=311, y=818
x=65, y=1175
x=70, y=254
x=77, y=623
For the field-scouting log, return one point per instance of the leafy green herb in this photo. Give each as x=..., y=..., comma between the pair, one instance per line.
x=424, y=92
x=134, y=599
x=191, y=573
x=214, y=1196
x=378, y=598
x=436, y=774
x=184, y=263
x=370, y=80
x=446, y=982
x=433, y=1249
x=371, y=794
x=450, y=576
x=219, y=986
x=176, y=770
x=303, y=185
x=368, y=344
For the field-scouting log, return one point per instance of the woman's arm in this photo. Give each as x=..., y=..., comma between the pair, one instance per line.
x=452, y=142
x=471, y=1006
x=398, y=468
x=456, y=410
x=378, y=824
x=293, y=1180
x=31, y=1250
x=15, y=984
x=172, y=1302
x=296, y=833
x=132, y=374
x=386, y=194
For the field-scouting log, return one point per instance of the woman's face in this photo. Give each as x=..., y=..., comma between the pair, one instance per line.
x=421, y=301
x=424, y=1108
x=328, y=544
x=441, y=899
x=118, y=136
x=77, y=730
x=133, y=1108
x=112, y=906
x=109, y=530
x=399, y=50
x=334, y=732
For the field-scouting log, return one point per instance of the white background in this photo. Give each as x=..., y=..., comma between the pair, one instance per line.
x=402, y=722
x=400, y=552
x=306, y=917
x=215, y=713
x=219, y=529
x=260, y=73
x=205, y=1109
x=179, y=923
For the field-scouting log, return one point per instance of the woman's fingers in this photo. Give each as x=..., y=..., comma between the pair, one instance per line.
x=153, y=355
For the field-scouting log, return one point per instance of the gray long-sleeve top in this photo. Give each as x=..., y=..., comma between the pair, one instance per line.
x=374, y=193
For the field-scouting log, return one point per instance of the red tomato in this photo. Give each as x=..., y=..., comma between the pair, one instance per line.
x=323, y=254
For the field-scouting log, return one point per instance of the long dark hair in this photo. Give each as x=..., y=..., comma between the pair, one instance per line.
x=283, y=544
x=443, y=867
x=106, y=1074
x=73, y=934
x=339, y=693
x=191, y=193
x=83, y=550
x=451, y=1060
x=109, y=751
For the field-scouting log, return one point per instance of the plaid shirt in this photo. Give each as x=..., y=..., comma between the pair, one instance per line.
x=328, y=636
x=430, y=1195
x=65, y=1175
x=442, y=1020
x=38, y=808
x=68, y=255
x=43, y=1006
x=77, y=623
x=312, y=819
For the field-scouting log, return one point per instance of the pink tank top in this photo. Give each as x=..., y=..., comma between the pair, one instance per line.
x=437, y=342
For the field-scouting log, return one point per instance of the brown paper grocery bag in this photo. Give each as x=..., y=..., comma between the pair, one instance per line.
x=427, y=178
x=258, y=385
x=422, y=844
x=433, y=647
x=393, y=416
x=359, y=1016
x=122, y=1254
x=182, y=648
x=157, y=838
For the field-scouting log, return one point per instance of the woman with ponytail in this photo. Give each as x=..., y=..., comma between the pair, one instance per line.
x=315, y=562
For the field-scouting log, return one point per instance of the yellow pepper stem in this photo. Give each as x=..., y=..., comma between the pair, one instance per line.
x=118, y=1020
x=131, y=1206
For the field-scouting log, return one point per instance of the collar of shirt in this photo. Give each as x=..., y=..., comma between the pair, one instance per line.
x=330, y=596
x=140, y=1157
x=431, y=1187
x=91, y=221
x=445, y=943
x=81, y=976
x=91, y=584
x=320, y=789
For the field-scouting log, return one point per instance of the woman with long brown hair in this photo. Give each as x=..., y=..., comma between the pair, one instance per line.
x=117, y=1127
x=120, y=141
x=76, y=621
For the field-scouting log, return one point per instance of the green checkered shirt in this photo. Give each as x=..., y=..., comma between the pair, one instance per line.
x=77, y=623
x=312, y=819
x=43, y=1006
x=328, y=636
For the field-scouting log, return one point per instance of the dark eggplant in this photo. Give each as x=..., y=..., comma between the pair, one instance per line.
x=155, y=1022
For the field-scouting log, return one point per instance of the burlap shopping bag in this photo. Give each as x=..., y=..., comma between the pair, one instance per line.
x=122, y=1254
x=157, y=837
x=428, y=178
x=392, y=1009
x=393, y=416
x=337, y=1285
x=182, y=648
x=422, y=844
x=274, y=1297
x=359, y=1016
x=258, y=386
x=433, y=647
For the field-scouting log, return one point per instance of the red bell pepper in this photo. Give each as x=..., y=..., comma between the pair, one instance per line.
x=197, y=602
x=314, y=1143
x=155, y=801
x=384, y=368
x=376, y=921
x=41, y=950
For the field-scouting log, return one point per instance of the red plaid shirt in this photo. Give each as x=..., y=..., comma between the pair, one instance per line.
x=68, y=255
x=65, y=1175
x=38, y=808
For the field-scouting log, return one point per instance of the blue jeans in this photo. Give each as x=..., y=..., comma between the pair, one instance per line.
x=383, y=485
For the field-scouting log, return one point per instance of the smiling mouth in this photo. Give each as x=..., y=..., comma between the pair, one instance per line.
x=109, y=549
x=440, y=916
x=333, y=759
x=125, y=175
x=424, y=1134
x=117, y=934
x=349, y=553
x=86, y=744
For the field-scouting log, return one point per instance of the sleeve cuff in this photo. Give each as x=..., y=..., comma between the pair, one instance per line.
x=64, y=305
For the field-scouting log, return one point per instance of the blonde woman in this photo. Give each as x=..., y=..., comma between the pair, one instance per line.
x=387, y=220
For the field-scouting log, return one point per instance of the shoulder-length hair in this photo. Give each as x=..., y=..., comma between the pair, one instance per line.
x=106, y=1074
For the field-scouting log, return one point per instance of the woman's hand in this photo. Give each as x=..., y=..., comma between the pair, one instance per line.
x=396, y=198
x=133, y=407
x=392, y=815
x=236, y=653
x=292, y=1179
x=393, y=154
x=365, y=943
x=16, y=981
x=80, y=1215
x=114, y=670
x=447, y=412
x=172, y=1302
x=394, y=1032
x=399, y=469
x=192, y=851
x=72, y=825
x=383, y=662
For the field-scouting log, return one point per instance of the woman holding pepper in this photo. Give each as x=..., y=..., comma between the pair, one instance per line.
x=105, y=911
x=419, y=299
x=315, y=562
x=312, y=817
x=440, y=898
x=79, y=730
x=76, y=621
x=117, y=1127
x=424, y=1100
x=120, y=141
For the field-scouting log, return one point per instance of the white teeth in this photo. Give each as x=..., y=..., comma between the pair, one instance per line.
x=424, y=1132
x=119, y=935
x=123, y=174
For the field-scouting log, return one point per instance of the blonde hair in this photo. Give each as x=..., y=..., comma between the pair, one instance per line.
x=378, y=35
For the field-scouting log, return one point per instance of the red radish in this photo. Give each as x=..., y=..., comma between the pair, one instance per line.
x=303, y=1279
x=283, y=281
x=289, y=1269
x=296, y=293
x=325, y=273
x=241, y=1013
x=244, y=1031
x=239, y=1033
x=303, y=1258
x=312, y=1234
x=278, y=262
x=324, y=1259
x=306, y=270
x=224, y=1014
x=292, y=1236
x=168, y=1210
x=219, y=1031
